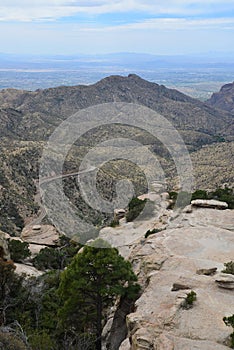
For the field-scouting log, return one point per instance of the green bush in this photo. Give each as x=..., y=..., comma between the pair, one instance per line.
x=114, y=223
x=56, y=258
x=200, y=194
x=173, y=195
x=222, y=194
x=229, y=321
x=191, y=297
x=229, y=267
x=19, y=250
x=136, y=207
x=49, y=259
x=225, y=195
x=41, y=341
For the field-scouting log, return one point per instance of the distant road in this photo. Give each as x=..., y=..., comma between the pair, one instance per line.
x=42, y=213
x=55, y=177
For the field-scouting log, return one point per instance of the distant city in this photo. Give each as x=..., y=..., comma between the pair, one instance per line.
x=197, y=76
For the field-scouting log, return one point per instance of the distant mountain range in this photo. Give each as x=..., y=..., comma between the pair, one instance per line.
x=28, y=119
x=195, y=75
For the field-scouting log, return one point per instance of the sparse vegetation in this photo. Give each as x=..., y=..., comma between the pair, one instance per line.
x=229, y=321
x=136, y=207
x=191, y=297
x=19, y=251
x=56, y=258
x=114, y=223
x=222, y=194
x=229, y=267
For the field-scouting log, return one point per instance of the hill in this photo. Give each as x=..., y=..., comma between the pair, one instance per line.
x=28, y=119
x=41, y=111
x=224, y=99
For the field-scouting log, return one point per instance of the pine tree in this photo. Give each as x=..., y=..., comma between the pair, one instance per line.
x=91, y=283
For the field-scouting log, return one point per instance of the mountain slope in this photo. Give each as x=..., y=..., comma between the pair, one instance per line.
x=28, y=119
x=43, y=110
x=224, y=99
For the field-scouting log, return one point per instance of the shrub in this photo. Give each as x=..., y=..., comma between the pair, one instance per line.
x=222, y=194
x=114, y=223
x=191, y=297
x=225, y=195
x=135, y=207
x=229, y=267
x=173, y=195
x=229, y=321
x=200, y=194
x=56, y=258
x=19, y=250
x=48, y=259
x=41, y=341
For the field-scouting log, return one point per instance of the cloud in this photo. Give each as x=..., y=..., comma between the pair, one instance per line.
x=39, y=10
x=161, y=36
x=164, y=24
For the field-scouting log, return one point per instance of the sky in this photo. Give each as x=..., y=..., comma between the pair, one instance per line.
x=161, y=27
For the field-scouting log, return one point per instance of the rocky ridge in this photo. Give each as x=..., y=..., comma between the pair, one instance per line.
x=224, y=99
x=187, y=256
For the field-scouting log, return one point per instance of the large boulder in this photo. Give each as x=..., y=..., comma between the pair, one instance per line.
x=209, y=203
x=45, y=235
x=225, y=281
x=27, y=270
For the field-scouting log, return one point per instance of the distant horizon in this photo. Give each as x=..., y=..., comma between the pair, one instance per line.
x=175, y=27
x=142, y=53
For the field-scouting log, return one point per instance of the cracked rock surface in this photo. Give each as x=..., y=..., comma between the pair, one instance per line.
x=199, y=240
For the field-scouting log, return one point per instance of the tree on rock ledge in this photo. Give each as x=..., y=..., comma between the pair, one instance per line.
x=90, y=284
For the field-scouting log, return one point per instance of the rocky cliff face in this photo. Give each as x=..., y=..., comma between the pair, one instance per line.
x=224, y=99
x=187, y=256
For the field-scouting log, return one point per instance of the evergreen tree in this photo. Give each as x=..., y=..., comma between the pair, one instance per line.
x=90, y=284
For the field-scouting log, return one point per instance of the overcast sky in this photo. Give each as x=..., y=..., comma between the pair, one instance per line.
x=105, y=26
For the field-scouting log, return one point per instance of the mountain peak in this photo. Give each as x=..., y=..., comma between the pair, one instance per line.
x=224, y=99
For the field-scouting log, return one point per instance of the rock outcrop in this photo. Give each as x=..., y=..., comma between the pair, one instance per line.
x=44, y=235
x=225, y=281
x=172, y=263
x=224, y=99
x=27, y=270
x=209, y=203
